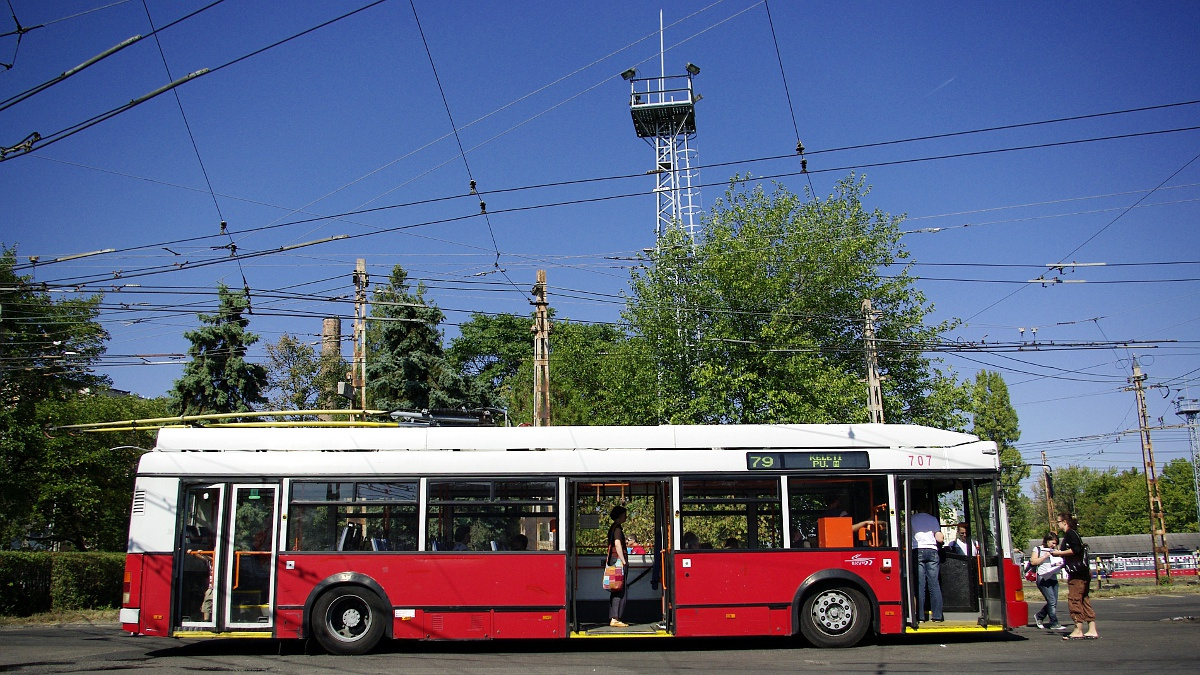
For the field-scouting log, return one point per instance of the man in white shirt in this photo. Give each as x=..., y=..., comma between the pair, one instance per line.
x=961, y=545
x=926, y=539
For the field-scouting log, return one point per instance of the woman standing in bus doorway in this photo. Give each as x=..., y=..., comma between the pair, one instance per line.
x=1079, y=579
x=1048, y=566
x=616, y=553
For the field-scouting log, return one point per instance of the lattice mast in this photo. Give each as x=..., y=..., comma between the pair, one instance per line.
x=664, y=114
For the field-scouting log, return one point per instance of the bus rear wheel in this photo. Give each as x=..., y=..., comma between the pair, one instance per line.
x=348, y=620
x=834, y=617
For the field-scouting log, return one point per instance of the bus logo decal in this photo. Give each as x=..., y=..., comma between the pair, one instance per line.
x=858, y=560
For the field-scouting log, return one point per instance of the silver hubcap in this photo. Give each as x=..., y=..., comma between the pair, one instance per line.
x=348, y=618
x=833, y=611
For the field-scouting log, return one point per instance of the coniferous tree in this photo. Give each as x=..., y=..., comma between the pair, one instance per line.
x=407, y=368
x=219, y=379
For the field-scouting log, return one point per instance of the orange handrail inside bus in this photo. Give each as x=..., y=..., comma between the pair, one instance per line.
x=237, y=564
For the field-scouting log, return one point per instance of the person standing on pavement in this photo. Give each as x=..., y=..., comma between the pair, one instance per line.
x=1079, y=579
x=1048, y=567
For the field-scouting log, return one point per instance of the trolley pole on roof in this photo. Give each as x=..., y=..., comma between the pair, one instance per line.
x=874, y=391
x=1158, y=528
x=541, y=353
x=1188, y=408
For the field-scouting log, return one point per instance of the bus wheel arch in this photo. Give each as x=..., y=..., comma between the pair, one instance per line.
x=835, y=608
x=348, y=613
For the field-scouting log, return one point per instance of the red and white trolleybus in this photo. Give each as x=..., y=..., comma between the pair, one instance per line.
x=351, y=535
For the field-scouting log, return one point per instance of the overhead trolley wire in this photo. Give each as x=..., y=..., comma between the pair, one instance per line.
x=25, y=29
x=458, y=139
x=707, y=166
x=1098, y=232
x=199, y=159
x=615, y=196
x=788, y=94
x=36, y=141
x=17, y=98
x=501, y=109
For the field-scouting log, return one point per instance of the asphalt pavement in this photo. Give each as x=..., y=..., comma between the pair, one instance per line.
x=1138, y=634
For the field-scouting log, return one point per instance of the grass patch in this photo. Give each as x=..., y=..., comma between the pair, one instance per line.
x=67, y=616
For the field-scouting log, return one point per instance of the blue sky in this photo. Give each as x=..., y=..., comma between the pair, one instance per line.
x=350, y=117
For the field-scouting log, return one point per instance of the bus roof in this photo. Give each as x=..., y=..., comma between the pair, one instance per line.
x=550, y=451
x=792, y=436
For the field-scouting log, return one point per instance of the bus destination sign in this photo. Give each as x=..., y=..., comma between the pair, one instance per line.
x=757, y=460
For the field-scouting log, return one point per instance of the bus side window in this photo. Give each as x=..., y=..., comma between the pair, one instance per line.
x=485, y=515
x=347, y=516
x=838, y=512
x=726, y=513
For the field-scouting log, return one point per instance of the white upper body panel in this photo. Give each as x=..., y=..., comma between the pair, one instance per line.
x=424, y=451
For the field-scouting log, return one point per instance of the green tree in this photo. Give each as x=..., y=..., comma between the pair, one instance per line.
x=84, y=483
x=489, y=351
x=1111, y=501
x=578, y=385
x=1178, y=494
x=219, y=379
x=994, y=419
x=299, y=379
x=759, y=321
x=407, y=368
x=1069, y=484
x=496, y=354
x=48, y=348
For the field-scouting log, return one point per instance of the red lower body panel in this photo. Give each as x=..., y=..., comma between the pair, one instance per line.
x=155, y=603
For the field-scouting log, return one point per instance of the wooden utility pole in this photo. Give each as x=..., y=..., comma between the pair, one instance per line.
x=1049, y=492
x=359, y=376
x=1158, y=528
x=874, y=392
x=541, y=353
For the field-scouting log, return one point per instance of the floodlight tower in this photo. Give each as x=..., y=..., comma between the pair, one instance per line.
x=664, y=113
x=1188, y=408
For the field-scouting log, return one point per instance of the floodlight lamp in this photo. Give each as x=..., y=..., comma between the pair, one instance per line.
x=629, y=74
x=692, y=69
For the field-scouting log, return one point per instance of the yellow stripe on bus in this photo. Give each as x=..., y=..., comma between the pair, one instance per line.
x=656, y=634
x=952, y=628
x=230, y=634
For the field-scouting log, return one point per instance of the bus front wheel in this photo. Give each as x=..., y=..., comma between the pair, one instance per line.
x=348, y=620
x=834, y=617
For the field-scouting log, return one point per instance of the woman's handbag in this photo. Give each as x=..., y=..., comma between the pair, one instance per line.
x=614, y=577
x=1031, y=569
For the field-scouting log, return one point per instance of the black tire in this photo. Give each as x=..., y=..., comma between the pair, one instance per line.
x=348, y=620
x=835, y=617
